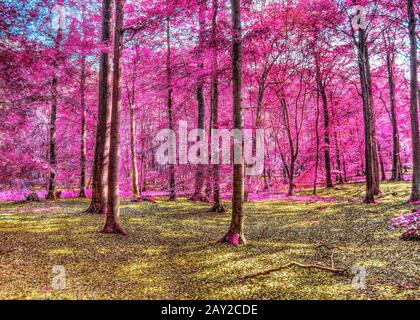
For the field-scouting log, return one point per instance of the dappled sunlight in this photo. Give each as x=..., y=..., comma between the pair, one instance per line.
x=171, y=251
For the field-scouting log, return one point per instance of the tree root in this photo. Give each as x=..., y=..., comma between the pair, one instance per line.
x=297, y=264
x=218, y=208
x=145, y=199
x=233, y=238
x=114, y=228
x=93, y=209
x=199, y=198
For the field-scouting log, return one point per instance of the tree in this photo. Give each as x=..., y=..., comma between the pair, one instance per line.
x=82, y=193
x=101, y=158
x=53, y=113
x=131, y=97
x=217, y=203
x=113, y=223
x=415, y=132
x=172, y=183
x=235, y=234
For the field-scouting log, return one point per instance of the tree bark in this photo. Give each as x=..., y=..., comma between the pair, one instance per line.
x=113, y=223
x=235, y=234
x=217, y=203
x=101, y=158
x=199, y=174
x=367, y=114
x=172, y=183
x=327, y=156
x=396, y=163
x=339, y=175
x=133, y=140
x=381, y=161
x=415, y=132
x=53, y=114
x=317, y=144
x=82, y=193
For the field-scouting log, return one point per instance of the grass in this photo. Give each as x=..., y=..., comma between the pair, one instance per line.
x=170, y=252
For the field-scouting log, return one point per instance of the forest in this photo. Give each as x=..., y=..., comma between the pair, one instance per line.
x=209, y=149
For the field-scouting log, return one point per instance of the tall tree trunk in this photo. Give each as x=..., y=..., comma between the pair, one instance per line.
x=101, y=158
x=327, y=157
x=199, y=174
x=317, y=144
x=53, y=113
x=172, y=183
x=367, y=114
x=396, y=164
x=217, y=202
x=415, y=132
x=375, y=157
x=339, y=175
x=235, y=233
x=82, y=193
x=133, y=142
x=113, y=224
x=53, y=147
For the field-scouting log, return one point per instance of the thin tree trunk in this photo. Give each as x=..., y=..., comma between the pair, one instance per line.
x=323, y=93
x=101, y=158
x=381, y=160
x=133, y=143
x=53, y=147
x=367, y=114
x=53, y=114
x=396, y=164
x=375, y=157
x=217, y=203
x=199, y=174
x=113, y=224
x=82, y=193
x=172, y=183
x=415, y=132
x=235, y=234
x=339, y=175
x=317, y=143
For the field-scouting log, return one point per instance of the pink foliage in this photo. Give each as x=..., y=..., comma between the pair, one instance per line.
x=410, y=221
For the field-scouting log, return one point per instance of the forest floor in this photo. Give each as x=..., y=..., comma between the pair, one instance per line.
x=170, y=252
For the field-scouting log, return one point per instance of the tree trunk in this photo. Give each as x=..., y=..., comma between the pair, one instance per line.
x=327, y=157
x=415, y=132
x=396, y=164
x=101, y=158
x=82, y=193
x=317, y=144
x=217, y=203
x=53, y=114
x=172, y=191
x=235, y=234
x=375, y=157
x=381, y=160
x=339, y=175
x=133, y=143
x=113, y=224
x=199, y=174
x=53, y=147
x=367, y=115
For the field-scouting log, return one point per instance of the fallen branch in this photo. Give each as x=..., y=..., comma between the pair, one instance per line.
x=293, y=263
